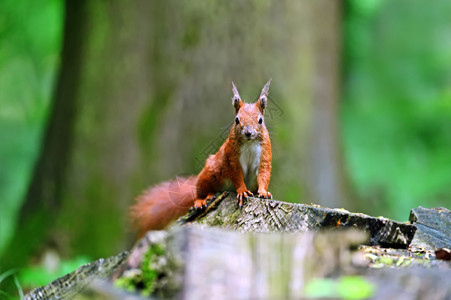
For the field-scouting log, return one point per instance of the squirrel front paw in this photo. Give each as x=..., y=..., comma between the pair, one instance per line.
x=243, y=196
x=200, y=203
x=264, y=194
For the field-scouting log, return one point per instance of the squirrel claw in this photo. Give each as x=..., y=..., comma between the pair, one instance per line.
x=239, y=203
x=200, y=204
x=265, y=195
x=240, y=197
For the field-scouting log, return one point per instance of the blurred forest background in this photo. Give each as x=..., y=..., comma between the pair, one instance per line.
x=99, y=100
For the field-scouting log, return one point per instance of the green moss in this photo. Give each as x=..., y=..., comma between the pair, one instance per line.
x=149, y=272
x=386, y=260
x=355, y=287
x=127, y=283
x=217, y=221
x=231, y=218
x=396, y=261
x=149, y=275
x=345, y=287
x=145, y=279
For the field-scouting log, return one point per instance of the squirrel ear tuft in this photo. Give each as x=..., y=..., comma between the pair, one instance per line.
x=263, y=99
x=236, y=99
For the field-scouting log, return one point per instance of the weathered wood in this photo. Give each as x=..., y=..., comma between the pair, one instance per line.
x=197, y=262
x=433, y=227
x=411, y=283
x=379, y=258
x=69, y=285
x=101, y=289
x=263, y=215
x=220, y=264
x=268, y=249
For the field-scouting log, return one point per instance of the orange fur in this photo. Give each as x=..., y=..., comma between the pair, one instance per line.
x=160, y=205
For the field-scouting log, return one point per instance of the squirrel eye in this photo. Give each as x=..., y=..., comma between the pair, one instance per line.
x=237, y=121
x=260, y=120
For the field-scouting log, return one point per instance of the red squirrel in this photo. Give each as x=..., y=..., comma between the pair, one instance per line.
x=243, y=161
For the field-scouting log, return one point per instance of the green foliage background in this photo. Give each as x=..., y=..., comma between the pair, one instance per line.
x=30, y=39
x=395, y=110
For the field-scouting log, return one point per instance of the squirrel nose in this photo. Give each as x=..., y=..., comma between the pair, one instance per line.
x=247, y=131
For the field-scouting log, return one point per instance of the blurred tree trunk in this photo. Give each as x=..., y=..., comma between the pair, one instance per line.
x=141, y=98
x=327, y=178
x=83, y=181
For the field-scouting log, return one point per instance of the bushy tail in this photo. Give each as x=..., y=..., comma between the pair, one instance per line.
x=162, y=204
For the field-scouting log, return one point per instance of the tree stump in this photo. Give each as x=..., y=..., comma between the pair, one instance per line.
x=263, y=215
x=433, y=227
x=271, y=249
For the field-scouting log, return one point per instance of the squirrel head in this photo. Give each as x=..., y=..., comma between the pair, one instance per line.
x=249, y=117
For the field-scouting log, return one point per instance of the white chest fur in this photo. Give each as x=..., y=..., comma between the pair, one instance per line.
x=250, y=160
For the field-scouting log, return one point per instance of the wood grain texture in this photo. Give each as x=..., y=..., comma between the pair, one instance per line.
x=263, y=215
